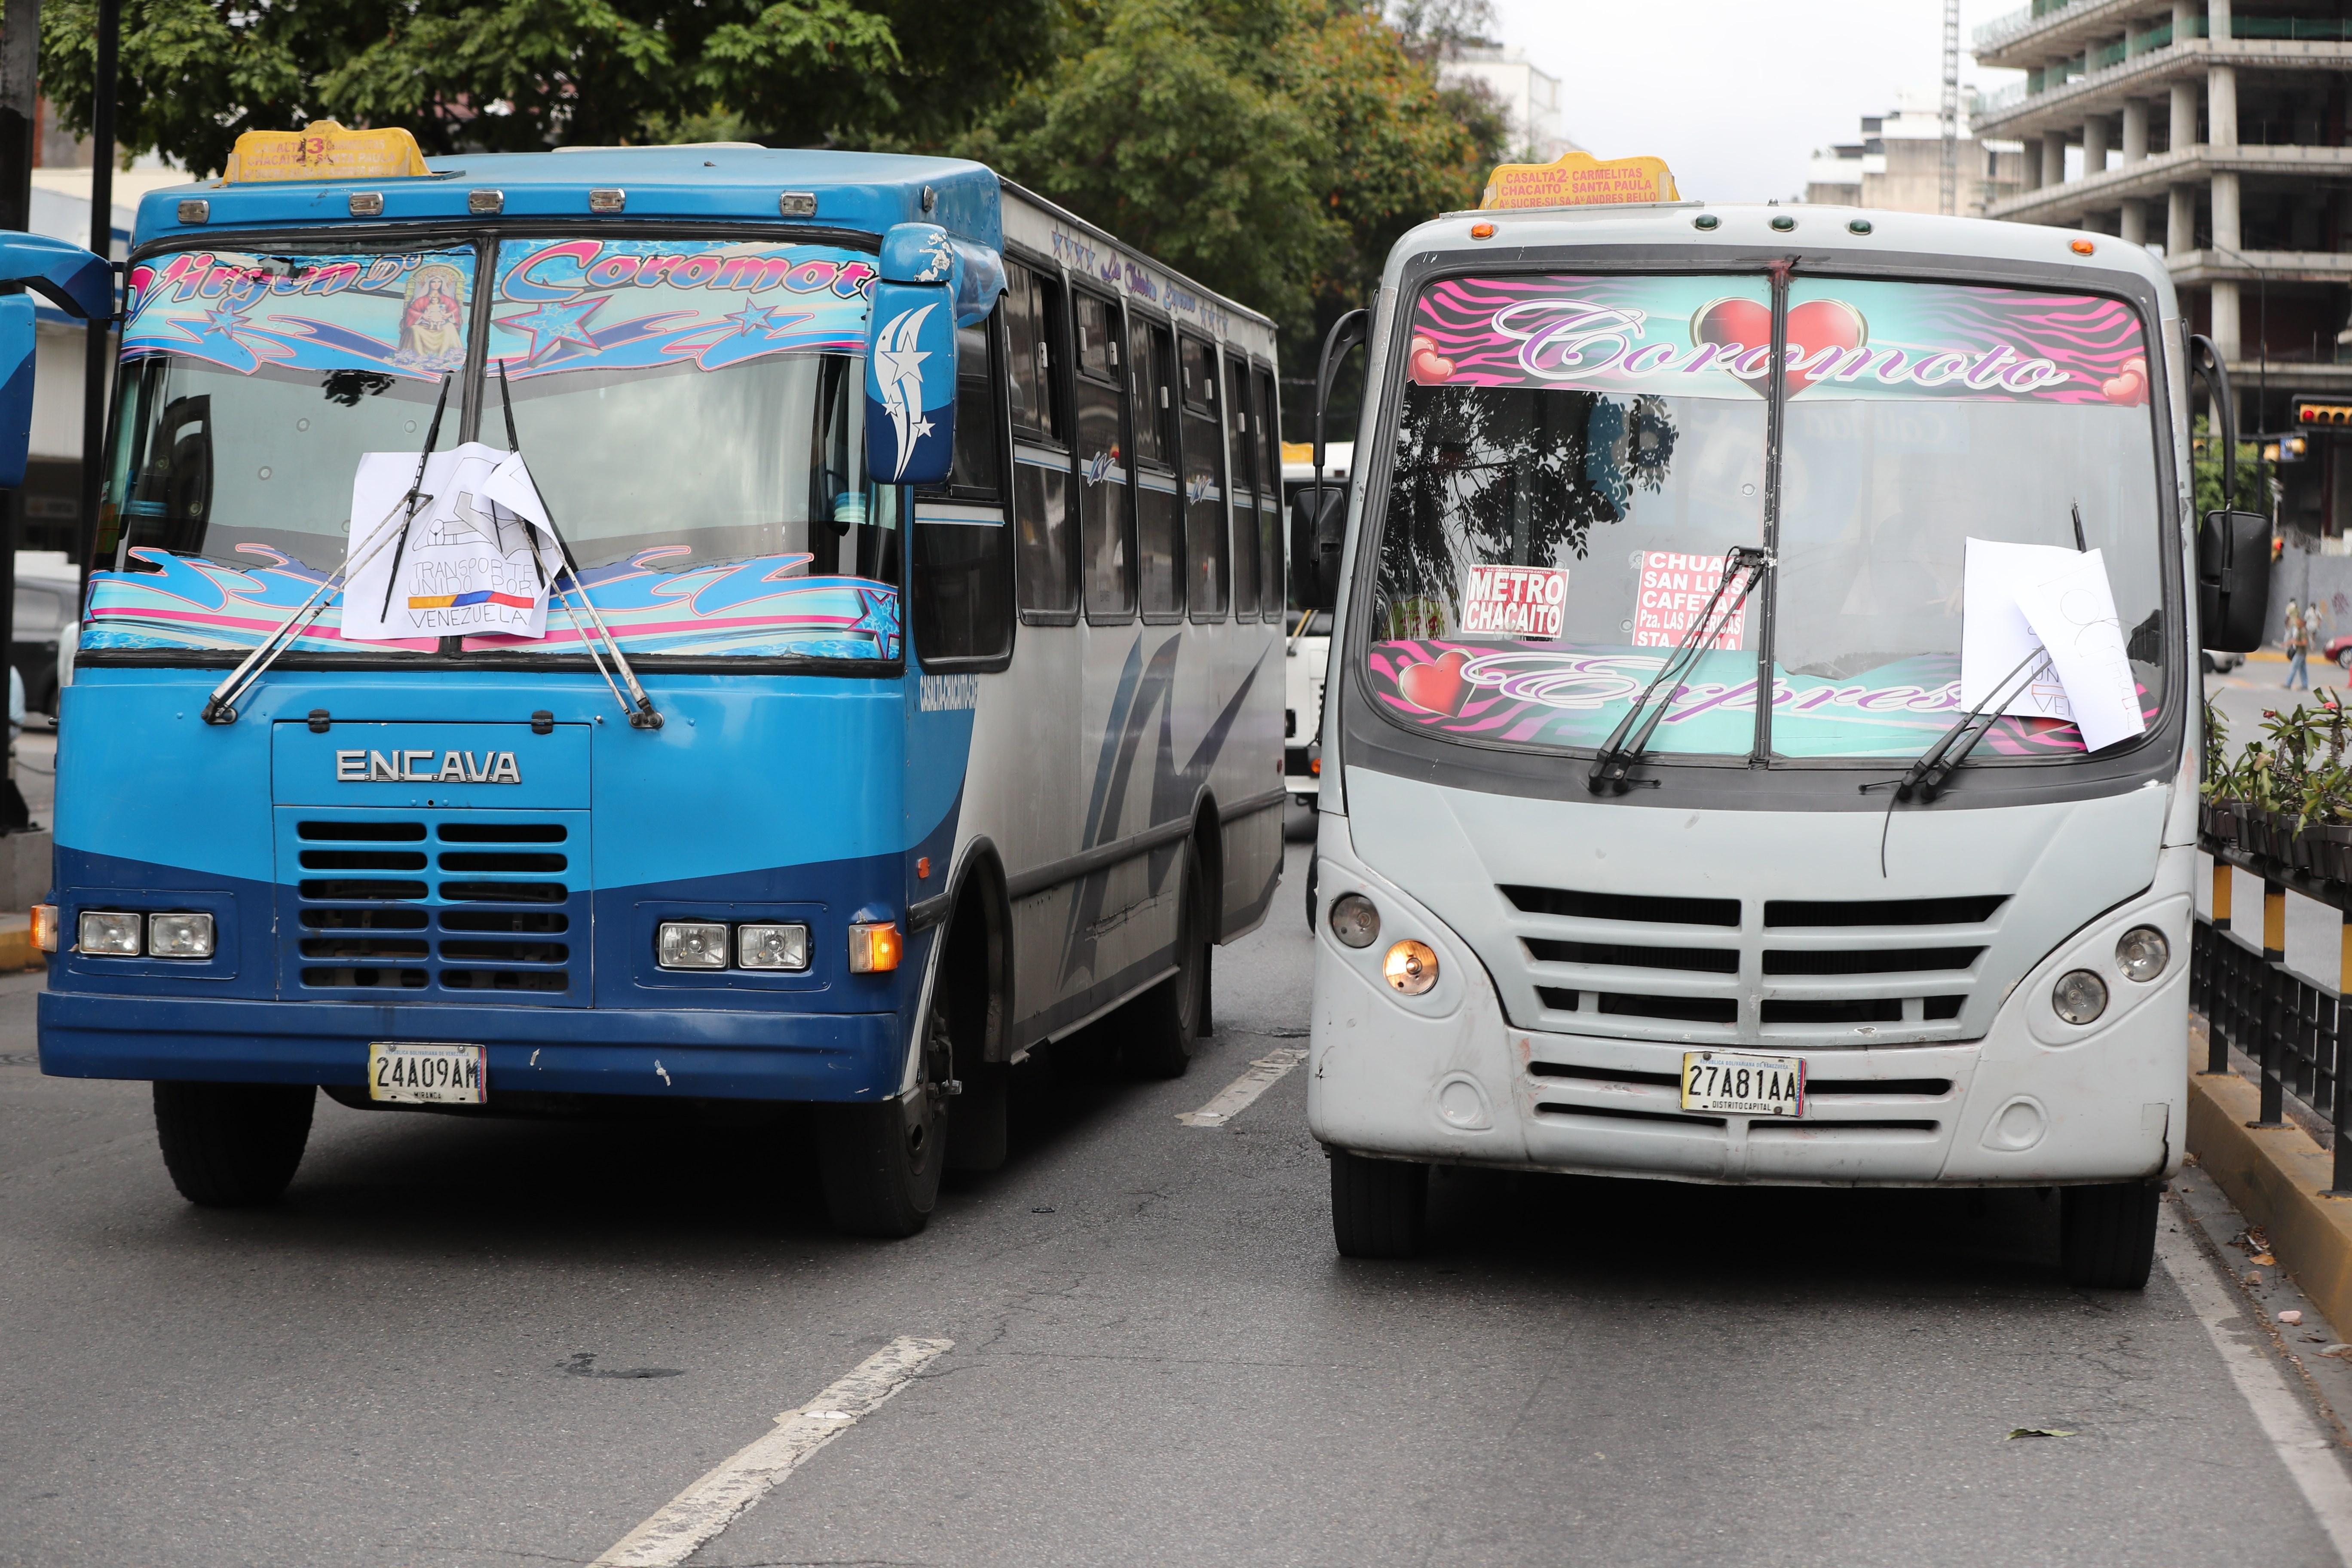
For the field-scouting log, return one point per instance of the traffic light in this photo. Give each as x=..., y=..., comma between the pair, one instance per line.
x=2323, y=411
x=2288, y=449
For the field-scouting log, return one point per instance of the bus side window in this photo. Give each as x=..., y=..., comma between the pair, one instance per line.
x=962, y=569
x=1106, y=541
x=1241, y=462
x=1266, y=415
x=1159, y=512
x=1041, y=463
x=1207, y=567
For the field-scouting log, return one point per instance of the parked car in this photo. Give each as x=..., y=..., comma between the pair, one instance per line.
x=48, y=586
x=2339, y=651
x=2221, y=663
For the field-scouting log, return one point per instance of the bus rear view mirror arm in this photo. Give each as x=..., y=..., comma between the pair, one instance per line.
x=70, y=278
x=1321, y=528
x=2233, y=547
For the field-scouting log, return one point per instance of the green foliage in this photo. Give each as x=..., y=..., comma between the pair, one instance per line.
x=520, y=75
x=2205, y=466
x=2299, y=768
x=1273, y=150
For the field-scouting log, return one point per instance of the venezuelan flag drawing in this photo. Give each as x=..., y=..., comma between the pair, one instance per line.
x=480, y=596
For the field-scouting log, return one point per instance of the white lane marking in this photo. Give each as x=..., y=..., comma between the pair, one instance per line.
x=688, y=1521
x=1236, y=1095
x=2306, y=1451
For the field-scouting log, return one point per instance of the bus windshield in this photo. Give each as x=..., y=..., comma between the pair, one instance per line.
x=692, y=412
x=1576, y=457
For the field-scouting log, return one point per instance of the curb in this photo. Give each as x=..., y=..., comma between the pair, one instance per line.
x=17, y=949
x=2275, y=1176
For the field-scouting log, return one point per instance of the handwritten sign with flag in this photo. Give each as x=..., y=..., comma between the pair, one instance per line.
x=478, y=558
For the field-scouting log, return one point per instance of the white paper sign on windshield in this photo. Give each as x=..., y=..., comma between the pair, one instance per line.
x=1527, y=602
x=1995, y=636
x=2074, y=613
x=2029, y=599
x=466, y=568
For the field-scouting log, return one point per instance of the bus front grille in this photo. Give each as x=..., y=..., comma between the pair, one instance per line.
x=1731, y=971
x=446, y=906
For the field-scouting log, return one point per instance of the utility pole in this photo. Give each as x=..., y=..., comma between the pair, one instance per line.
x=20, y=53
x=97, y=367
x=1949, y=203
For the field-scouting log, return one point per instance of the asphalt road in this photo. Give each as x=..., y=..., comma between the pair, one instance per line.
x=509, y=1343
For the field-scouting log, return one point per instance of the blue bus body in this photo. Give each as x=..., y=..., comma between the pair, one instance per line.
x=988, y=722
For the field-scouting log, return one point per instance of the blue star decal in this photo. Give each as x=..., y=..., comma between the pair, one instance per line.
x=552, y=326
x=755, y=318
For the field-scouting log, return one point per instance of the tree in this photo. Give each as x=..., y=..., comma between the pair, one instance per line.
x=521, y=75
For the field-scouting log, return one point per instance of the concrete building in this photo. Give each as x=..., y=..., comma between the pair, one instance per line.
x=1529, y=96
x=2216, y=133
x=1898, y=165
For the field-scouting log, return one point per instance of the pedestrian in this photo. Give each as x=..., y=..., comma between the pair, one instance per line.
x=2298, y=647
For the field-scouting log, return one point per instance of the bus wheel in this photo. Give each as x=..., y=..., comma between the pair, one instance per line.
x=1377, y=1206
x=880, y=1164
x=977, y=1128
x=232, y=1145
x=1161, y=1024
x=2106, y=1234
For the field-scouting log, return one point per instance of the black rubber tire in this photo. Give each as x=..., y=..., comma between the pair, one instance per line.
x=2106, y=1234
x=880, y=1164
x=232, y=1145
x=1155, y=1031
x=1379, y=1207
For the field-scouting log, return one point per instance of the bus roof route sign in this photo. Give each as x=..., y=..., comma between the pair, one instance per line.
x=1580, y=180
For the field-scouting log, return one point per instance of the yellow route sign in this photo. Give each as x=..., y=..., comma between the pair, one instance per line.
x=325, y=150
x=1580, y=180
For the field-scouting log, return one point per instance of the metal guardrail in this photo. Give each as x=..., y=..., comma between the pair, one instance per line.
x=2296, y=1030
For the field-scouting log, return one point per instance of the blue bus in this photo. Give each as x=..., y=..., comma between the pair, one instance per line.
x=907, y=694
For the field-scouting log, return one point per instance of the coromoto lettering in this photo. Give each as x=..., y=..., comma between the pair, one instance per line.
x=420, y=767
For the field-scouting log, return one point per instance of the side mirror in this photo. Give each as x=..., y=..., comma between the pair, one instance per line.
x=17, y=357
x=910, y=359
x=2234, y=580
x=1318, y=527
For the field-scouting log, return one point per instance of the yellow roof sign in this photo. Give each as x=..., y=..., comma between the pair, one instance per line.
x=1580, y=180
x=325, y=150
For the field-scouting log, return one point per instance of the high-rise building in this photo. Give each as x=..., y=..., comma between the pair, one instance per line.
x=1529, y=96
x=2216, y=133
x=1898, y=165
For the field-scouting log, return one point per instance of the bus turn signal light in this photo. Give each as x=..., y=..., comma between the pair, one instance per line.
x=873, y=949
x=45, y=927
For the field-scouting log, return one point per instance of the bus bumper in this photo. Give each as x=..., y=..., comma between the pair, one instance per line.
x=1447, y=1079
x=833, y=1056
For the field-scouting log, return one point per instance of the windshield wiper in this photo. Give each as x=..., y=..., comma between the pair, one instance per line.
x=1611, y=768
x=644, y=715
x=1926, y=775
x=220, y=708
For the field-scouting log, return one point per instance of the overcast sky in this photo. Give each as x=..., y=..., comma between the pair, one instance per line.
x=1736, y=94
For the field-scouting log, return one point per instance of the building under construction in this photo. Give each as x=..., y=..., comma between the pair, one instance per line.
x=2216, y=132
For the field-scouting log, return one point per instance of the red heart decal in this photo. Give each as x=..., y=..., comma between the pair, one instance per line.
x=1437, y=686
x=1814, y=326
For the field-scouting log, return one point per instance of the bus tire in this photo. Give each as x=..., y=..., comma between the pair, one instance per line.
x=232, y=1145
x=1160, y=1025
x=2106, y=1234
x=1379, y=1207
x=880, y=1164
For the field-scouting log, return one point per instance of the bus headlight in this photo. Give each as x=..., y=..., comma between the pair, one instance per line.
x=690, y=944
x=1354, y=920
x=180, y=936
x=1411, y=966
x=116, y=935
x=2142, y=953
x=2080, y=997
x=771, y=946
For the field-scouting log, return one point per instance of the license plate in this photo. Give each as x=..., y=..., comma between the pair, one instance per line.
x=1744, y=1085
x=421, y=1074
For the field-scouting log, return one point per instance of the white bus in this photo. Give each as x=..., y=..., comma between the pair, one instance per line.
x=1922, y=917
